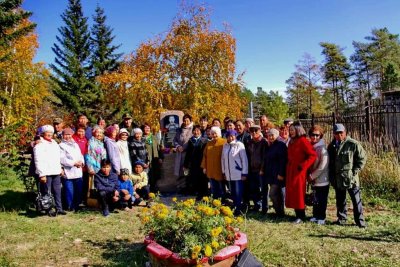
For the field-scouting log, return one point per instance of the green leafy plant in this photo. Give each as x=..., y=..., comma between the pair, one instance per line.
x=192, y=229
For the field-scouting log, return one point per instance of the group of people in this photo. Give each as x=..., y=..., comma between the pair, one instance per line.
x=113, y=162
x=236, y=159
x=248, y=163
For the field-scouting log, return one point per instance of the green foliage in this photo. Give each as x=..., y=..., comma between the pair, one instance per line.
x=11, y=16
x=271, y=104
x=193, y=230
x=104, y=59
x=376, y=63
x=249, y=96
x=336, y=73
x=381, y=175
x=13, y=141
x=303, y=90
x=72, y=67
x=390, y=79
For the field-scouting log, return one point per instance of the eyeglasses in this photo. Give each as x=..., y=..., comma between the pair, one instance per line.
x=314, y=135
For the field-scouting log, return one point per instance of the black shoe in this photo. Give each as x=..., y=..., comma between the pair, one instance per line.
x=340, y=222
x=52, y=213
x=61, y=212
x=264, y=212
x=257, y=207
x=137, y=201
x=362, y=225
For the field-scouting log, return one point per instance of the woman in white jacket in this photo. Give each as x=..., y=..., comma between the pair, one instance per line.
x=48, y=167
x=72, y=161
x=319, y=174
x=123, y=149
x=234, y=167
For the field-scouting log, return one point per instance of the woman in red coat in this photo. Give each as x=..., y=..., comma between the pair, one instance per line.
x=301, y=156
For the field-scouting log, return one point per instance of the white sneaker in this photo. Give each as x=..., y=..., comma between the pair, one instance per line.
x=321, y=222
x=313, y=220
x=297, y=221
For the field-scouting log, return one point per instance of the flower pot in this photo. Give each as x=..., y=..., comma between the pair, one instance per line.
x=162, y=257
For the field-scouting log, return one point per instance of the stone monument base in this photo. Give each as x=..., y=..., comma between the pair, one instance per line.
x=168, y=182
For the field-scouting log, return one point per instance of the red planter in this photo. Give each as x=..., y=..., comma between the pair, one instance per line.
x=163, y=257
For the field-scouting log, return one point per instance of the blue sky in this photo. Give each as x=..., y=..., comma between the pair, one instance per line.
x=271, y=35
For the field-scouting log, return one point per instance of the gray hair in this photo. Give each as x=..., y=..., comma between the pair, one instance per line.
x=298, y=129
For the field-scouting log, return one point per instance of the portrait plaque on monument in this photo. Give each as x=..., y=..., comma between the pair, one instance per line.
x=170, y=121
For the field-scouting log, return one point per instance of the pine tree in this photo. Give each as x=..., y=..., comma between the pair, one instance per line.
x=336, y=71
x=11, y=17
x=104, y=58
x=72, y=62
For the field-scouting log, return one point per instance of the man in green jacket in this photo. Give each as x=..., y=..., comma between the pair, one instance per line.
x=346, y=159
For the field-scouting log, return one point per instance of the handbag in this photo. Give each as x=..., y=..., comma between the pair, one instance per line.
x=45, y=202
x=92, y=200
x=310, y=198
x=246, y=259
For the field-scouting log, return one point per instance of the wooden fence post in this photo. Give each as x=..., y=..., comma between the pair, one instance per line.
x=333, y=118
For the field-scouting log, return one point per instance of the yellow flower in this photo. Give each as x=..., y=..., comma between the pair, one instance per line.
x=239, y=219
x=152, y=195
x=196, y=249
x=208, y=250
x=206, y=199
x=195, y=255
x=145, y=210
x=174, y=199
x=216, y=231
x=227, y=211
x=216, y=202
x=228, y=220
x=162, y=215
x=189, y=203
x=215, y=244
x=145, y=219
x=179, y=214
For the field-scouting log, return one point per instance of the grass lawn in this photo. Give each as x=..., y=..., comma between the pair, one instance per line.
x=89, y=239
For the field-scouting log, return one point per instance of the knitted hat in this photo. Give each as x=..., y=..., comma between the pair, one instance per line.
x=217, y=130
x=273, y=132
x=47, y=128
x=139, y=162
x=231, y=132
x=109, y=130
x=68, y=131
x=123, y=130
x=249, y=120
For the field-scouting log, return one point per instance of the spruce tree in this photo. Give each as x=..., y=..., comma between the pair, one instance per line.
x=11, y=16
x=72, y=62
x=104, y=59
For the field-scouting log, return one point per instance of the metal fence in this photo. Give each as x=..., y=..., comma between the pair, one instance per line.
x=377, y=123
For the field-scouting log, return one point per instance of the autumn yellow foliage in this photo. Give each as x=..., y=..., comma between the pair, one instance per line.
x=23, y=83
x=190, y=68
